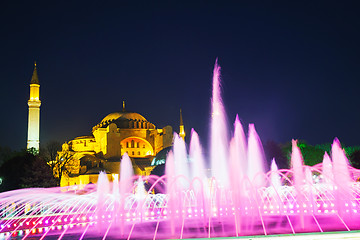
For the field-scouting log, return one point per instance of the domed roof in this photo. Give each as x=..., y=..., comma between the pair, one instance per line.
x=160, y=157
x=124, y=115
x=125, y=120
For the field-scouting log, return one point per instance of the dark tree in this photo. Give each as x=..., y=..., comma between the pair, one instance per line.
x=25, y=170
x=33, y=151
x=274, y=150
x=312, y=155
x=355, y=159
x=38, y=174
x=63, y=163
x=49, y=153
x=6, y=153
x=13, y=170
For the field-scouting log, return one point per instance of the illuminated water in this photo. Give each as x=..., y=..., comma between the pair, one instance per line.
x=240, y=199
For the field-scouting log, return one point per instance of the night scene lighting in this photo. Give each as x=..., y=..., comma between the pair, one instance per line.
x=180, y=121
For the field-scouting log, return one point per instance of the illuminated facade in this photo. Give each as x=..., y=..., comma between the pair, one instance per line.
x=118, y=133
x=34, y=103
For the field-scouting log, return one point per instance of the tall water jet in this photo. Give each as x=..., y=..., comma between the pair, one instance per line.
x=140, y=196
x=275, y=178
x=200, y=184
x=309, y=189
x=297, y=163
x=126, y=174
x=140, y=191
x=275, y=184
x=171, y=189
x=341, y=165
x=197, y=163
x=103, y=189
x=238, y=154
x=103, y=185
x=237, y=170
x=219, y=140
x=181, y=160
x=327, y=171
x=255, y=158
x=341, y=175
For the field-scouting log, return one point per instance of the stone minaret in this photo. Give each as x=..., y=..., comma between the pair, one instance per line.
x=182, y=130
x=34, y=112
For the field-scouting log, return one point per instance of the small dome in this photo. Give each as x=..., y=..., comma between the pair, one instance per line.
x=160, y=157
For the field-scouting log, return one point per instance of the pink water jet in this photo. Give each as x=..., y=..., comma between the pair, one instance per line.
x=238, y=155
x=198, y=164
x=275, y=178
x=219, y=140
x=255, y=158
x=181, y=160
x=327, y=170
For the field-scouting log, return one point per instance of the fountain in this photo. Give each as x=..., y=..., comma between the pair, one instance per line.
x=239, y=199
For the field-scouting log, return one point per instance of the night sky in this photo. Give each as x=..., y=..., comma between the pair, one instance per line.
x=290, y=67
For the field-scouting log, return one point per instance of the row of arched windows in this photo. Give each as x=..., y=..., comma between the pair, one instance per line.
x=134, y=144
x=138, y=153
x=136, y=124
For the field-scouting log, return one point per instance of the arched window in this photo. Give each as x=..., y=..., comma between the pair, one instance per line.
x=127, y=144
x=138, y=145
x=132, y=144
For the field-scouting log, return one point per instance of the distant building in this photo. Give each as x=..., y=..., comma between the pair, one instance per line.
x=118, y=133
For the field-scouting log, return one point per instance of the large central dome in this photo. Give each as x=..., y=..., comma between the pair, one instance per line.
x=125, y=119
x=124, y=115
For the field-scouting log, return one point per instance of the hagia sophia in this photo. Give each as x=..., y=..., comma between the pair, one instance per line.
x=116, y=134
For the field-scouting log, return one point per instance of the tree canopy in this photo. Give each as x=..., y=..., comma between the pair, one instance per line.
x=25, y=170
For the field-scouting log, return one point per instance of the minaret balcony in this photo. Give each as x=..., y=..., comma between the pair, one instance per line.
x=34, y=103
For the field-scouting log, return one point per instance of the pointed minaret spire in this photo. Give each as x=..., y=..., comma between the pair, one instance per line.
x=182, y=130
x=34, y=112
x=35, y=78
x=123, y=106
